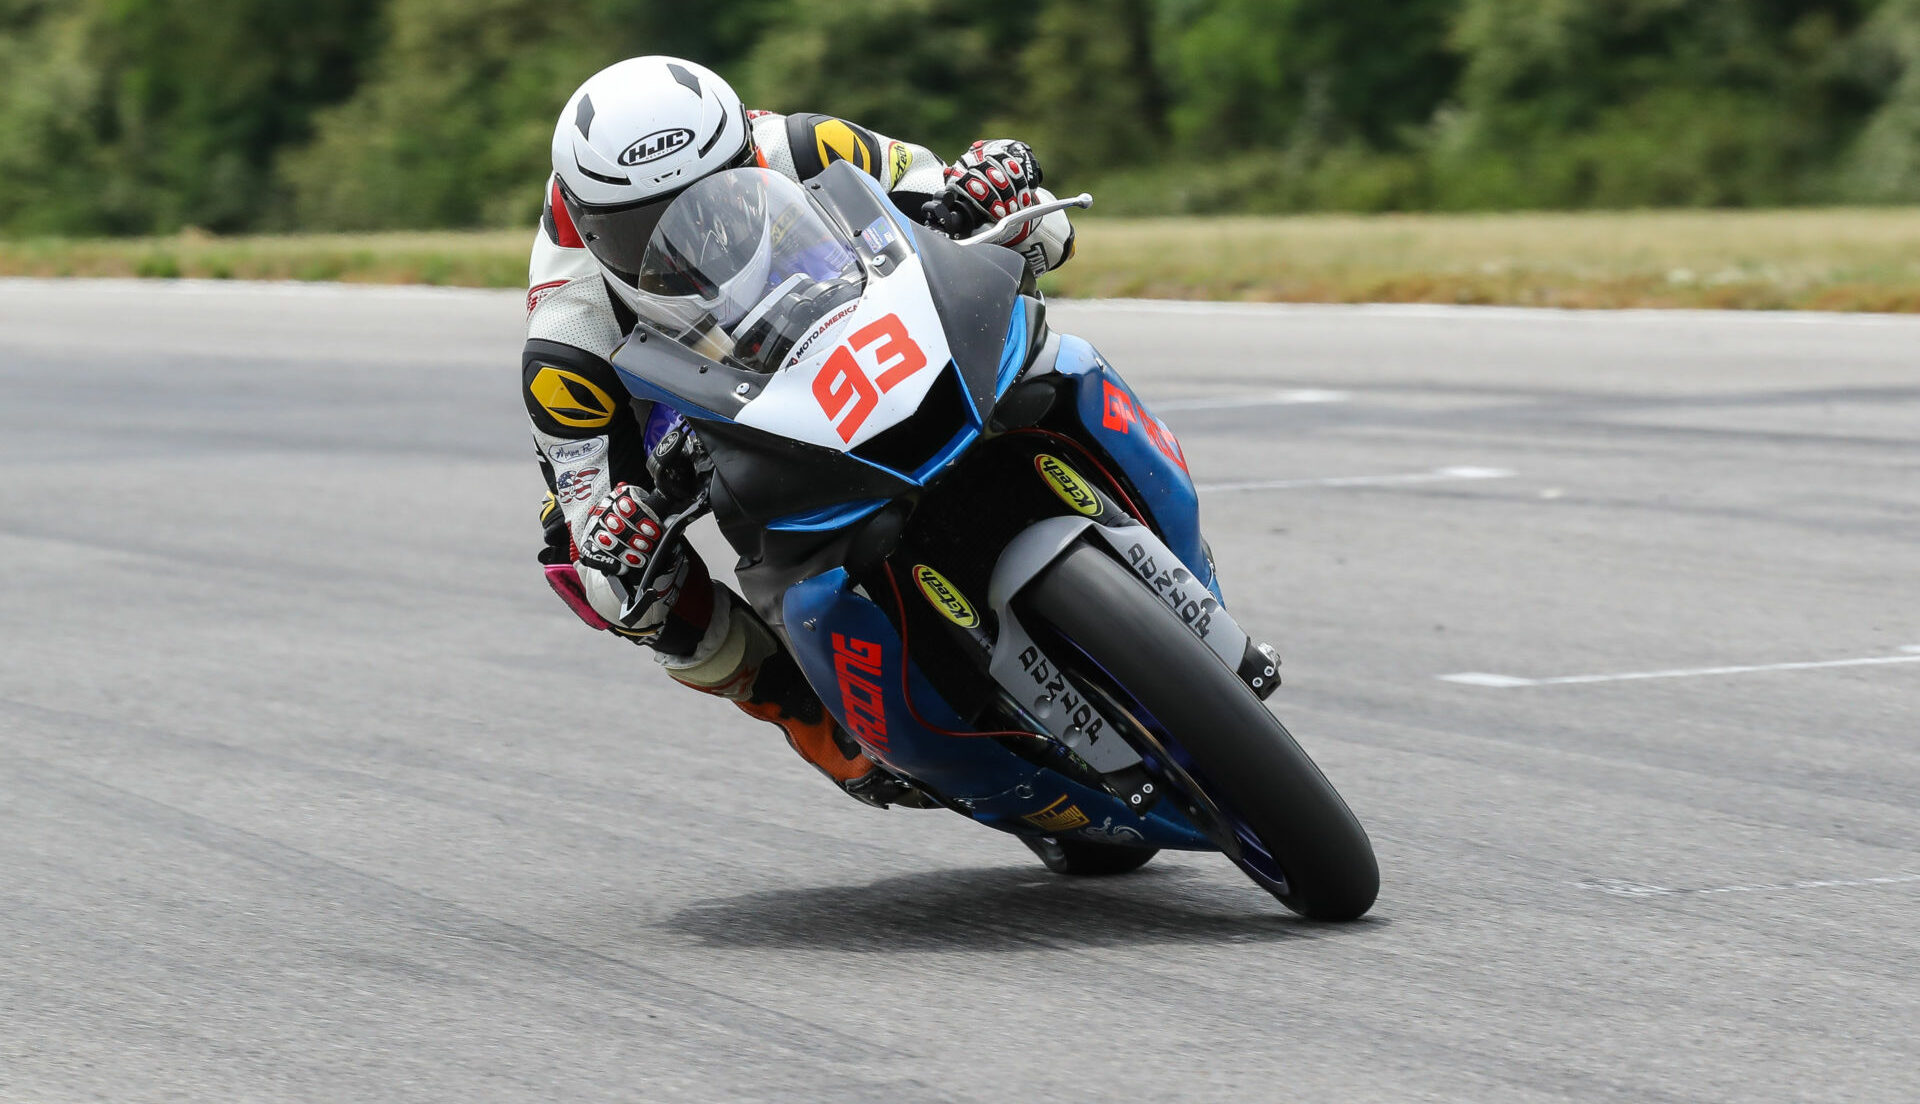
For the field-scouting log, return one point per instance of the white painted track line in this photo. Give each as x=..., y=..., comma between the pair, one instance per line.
x=1635, y=889
x=1437, y=475
x=1298, y=397
x=1508, y=682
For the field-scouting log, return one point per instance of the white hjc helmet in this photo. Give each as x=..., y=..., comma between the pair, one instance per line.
x=631, y=139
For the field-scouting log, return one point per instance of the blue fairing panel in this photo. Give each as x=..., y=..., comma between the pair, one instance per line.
x=1013, y=356
x=852, y=656
x=1143, y=446
x=837, y=516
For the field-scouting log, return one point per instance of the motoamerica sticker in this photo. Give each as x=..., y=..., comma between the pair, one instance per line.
x=945, y=597
x=1067, y=483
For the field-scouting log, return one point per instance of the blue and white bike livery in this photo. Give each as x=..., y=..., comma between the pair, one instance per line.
x=981, y=546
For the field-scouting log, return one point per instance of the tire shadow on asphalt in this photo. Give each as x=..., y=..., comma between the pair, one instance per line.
x=1002, y=908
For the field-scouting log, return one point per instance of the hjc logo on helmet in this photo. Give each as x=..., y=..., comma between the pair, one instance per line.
x=655, y=146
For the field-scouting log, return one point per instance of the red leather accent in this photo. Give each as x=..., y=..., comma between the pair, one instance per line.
x=695, y=603
x=569, y=238
x=541, y=291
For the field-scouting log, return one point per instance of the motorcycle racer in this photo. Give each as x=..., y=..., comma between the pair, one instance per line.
x=630, y=140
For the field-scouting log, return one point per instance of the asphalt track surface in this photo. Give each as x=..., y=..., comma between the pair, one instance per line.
x=310, y=791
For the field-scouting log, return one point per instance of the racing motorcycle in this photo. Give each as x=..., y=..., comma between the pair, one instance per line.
x=982, y=548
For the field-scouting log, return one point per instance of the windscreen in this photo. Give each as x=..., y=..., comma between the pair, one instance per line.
x=744, y=268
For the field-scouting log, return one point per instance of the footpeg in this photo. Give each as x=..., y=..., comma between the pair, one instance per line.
x=1260, y=669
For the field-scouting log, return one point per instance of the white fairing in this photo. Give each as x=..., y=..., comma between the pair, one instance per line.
x=790, y=406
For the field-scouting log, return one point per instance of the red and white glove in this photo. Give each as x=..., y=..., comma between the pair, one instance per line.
x=992, y=180
x=622, y=533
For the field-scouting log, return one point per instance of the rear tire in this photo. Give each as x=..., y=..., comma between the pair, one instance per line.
x=1246, y=758
x=1087, y=859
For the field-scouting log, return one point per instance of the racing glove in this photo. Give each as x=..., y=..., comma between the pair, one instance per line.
x=621, y=539
x=623, y=532
x=992, y=180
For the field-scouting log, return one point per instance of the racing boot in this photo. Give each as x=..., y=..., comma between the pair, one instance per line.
x=1260, y=668
x=740, y=660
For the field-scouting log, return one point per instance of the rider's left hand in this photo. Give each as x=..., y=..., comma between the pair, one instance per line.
x=623, y=533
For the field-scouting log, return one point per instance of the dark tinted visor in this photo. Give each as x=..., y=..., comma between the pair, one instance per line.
x=618, y=236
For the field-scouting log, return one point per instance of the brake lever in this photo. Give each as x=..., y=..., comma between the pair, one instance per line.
x=1007, y=228
x=670, y=530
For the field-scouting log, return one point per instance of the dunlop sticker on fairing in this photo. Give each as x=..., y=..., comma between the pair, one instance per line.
x=945, y=597
x=1073, y=490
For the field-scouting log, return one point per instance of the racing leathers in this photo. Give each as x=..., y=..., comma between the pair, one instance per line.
x=594, y=439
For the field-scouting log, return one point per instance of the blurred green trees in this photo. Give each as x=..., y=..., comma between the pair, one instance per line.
x=1665, y=102
x=120, y=116
x=128, y=116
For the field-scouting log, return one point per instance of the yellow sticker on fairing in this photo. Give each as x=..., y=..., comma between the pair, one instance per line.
x=570, y=399
x=1073, y=490
x=945, y=597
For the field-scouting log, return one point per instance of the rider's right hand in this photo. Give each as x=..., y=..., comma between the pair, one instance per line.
x=992, y=180
x=623, y=533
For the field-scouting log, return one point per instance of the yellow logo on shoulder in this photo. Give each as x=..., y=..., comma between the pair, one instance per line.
x=570, y=399
x=1067, y=483
x=838, y=142
x=1054, y=818
x=945, y=597
x=899, y=159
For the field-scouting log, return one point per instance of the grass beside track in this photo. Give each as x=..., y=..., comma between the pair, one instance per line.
x=1844, y=260
x=455, y=258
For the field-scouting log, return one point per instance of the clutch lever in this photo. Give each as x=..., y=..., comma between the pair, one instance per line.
x=670, y=530
x=1008, y=228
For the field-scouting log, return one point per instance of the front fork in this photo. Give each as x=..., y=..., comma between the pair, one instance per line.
x=1034, y=679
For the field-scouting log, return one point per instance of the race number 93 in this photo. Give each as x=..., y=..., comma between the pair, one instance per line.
x=848, y=391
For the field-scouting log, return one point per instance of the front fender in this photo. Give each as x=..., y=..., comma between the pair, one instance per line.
x=1136, y=547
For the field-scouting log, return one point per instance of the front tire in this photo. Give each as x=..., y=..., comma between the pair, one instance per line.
x=1245, y=757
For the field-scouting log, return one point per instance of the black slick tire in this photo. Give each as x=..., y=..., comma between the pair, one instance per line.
x=1249, y=762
